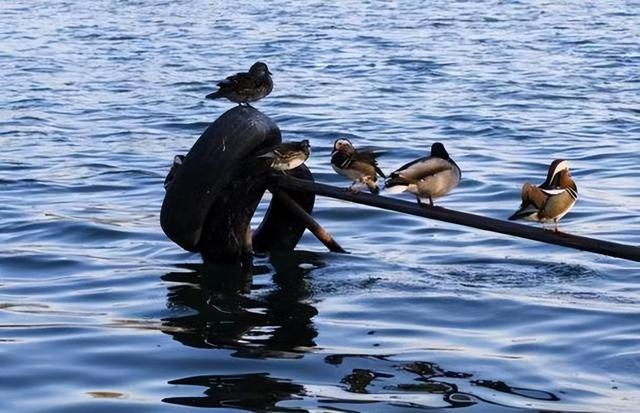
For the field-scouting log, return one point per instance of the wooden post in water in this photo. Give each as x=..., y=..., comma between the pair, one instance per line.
x=612, y=249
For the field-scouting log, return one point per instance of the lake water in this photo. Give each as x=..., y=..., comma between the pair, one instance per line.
x=100, y=312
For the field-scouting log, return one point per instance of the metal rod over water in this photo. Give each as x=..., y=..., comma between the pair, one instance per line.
x=612, y=249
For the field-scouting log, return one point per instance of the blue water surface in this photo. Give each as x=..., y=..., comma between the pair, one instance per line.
x=100, y=312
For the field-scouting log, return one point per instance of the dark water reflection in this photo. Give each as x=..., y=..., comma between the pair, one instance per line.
x=252, y=392
x=219, y=313
x=276, y=325
x=218, y=307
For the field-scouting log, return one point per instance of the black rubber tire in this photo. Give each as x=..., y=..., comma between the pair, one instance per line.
x=213, y=195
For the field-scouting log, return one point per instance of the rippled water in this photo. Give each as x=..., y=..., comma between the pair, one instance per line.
x=100, y=312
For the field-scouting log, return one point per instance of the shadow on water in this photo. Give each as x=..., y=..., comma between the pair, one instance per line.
x=222, y=311
x=220, y=308
x=254, y=392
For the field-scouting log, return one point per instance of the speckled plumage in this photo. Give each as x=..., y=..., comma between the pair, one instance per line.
x=245, y=87
x=287, y=155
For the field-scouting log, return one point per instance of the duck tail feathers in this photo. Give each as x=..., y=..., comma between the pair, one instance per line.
x=266, y=155
x=523, y=212
x=396, y=184
x=373, y=188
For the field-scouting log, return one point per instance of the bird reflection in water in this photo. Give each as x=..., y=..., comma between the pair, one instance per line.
x=217, y=308
x=254, y=392
x=220, y=309
x=256, y=323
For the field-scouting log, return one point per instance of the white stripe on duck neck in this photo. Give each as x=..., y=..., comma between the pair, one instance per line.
x=554, y=169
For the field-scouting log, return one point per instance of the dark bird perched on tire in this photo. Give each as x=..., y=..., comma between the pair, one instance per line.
x=287, y=155
x=427, y=178
x=552, y=199
x=245, y=87
x=360, y=167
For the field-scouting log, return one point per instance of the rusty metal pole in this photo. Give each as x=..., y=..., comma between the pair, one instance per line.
x=311, y=224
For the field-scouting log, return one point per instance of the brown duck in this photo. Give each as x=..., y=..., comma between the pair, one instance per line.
x=287, y=155
x=245, y=87
x=360, y=167
x=552, y=199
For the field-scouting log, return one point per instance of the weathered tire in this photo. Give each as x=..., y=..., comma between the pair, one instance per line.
x=280, y=230
x=214, y=193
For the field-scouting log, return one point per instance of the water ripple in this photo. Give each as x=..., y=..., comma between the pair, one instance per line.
x=99, y=311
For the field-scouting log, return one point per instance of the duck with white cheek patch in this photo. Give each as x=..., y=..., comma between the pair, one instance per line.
x=360, y=167
x=551, y=200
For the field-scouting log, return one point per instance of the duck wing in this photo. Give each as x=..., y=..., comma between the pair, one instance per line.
x=552, y=192
x=422, y=168
x=368, y=157
x=533, y=200
x=238, y=82
x=557, y=205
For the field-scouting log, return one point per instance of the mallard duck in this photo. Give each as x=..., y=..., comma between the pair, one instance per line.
x=245, y=87
x=552, y=199
x=287, y=155
x=360, y=167
x=427, y=178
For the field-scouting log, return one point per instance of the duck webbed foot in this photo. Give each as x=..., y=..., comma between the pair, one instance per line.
x=354, y=188
x=424, y=205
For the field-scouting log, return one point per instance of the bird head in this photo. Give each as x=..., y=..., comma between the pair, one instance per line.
x=259, y=69
x=553, y=176
x=306, y=148
x=438, y=151
x=343, y=145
